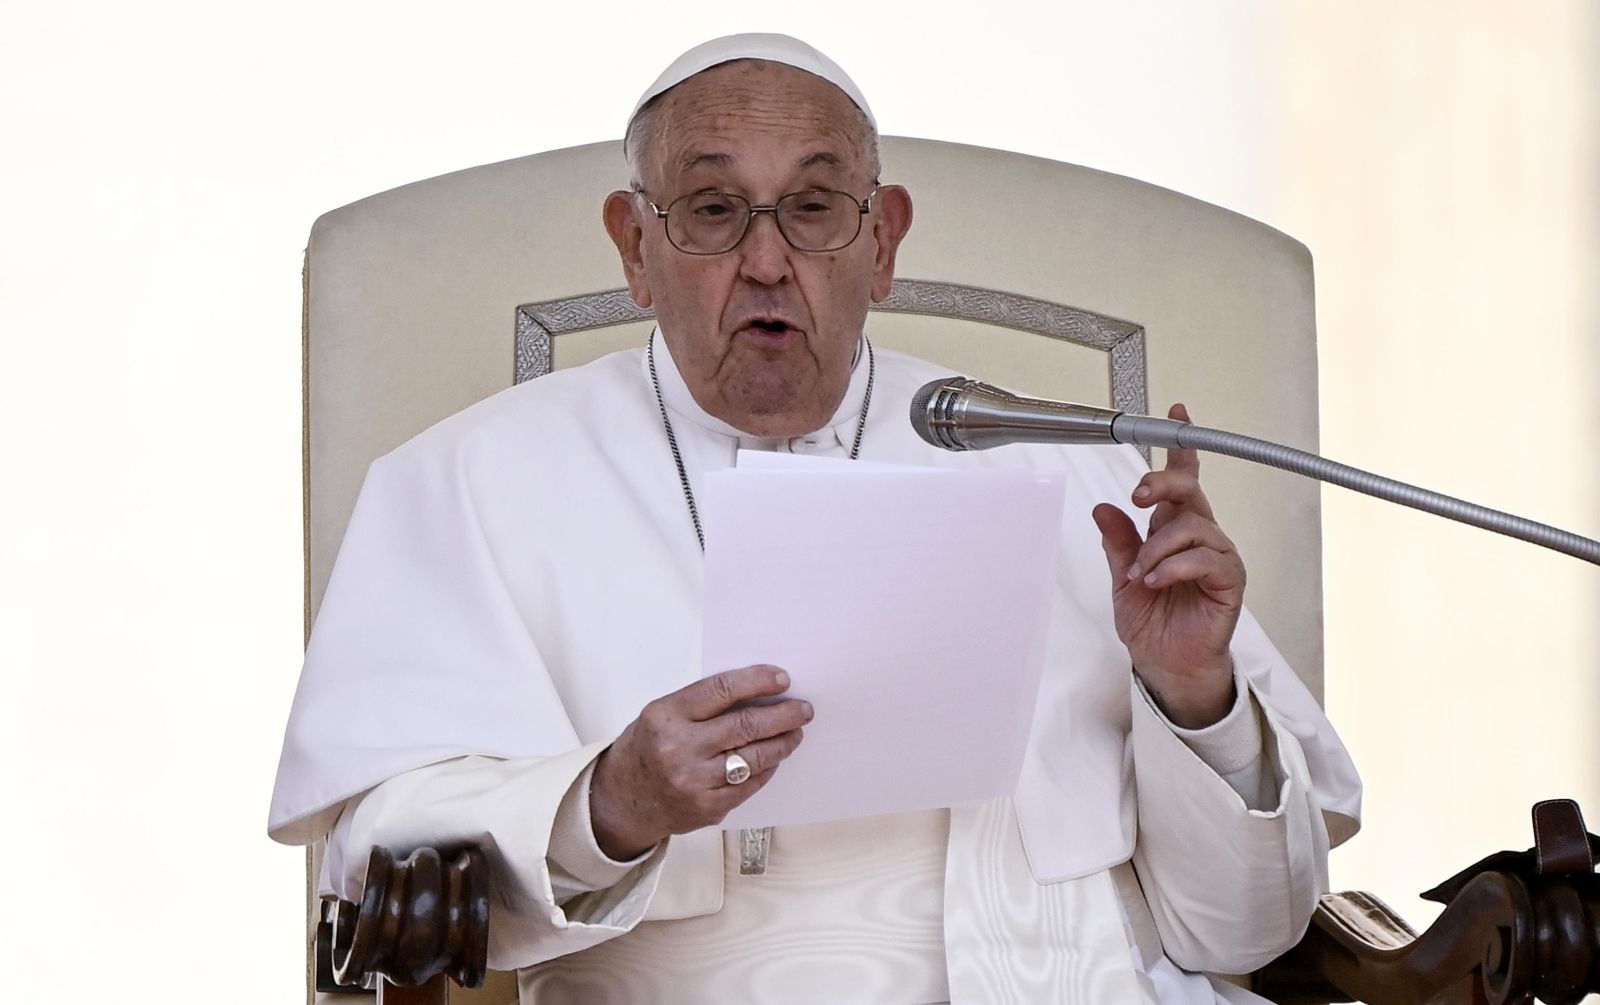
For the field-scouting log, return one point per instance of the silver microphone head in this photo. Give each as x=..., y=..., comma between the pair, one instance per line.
x=931, y=409
x=958, y=413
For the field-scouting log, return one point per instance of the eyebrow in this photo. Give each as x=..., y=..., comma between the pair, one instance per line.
x=823, y=157
x=712, y=160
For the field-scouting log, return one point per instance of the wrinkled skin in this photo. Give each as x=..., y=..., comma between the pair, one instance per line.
x=760, y=130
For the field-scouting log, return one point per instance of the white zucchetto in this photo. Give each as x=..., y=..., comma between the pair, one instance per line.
x=769, y=47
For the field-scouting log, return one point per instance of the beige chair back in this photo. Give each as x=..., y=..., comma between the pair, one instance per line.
x=415, y=298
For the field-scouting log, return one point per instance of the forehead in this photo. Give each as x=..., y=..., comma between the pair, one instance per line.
x=757, y=118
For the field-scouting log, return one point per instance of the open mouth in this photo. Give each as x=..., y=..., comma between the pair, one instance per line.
x=769, y=331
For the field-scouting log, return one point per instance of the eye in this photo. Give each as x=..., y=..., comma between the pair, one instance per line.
x=712, y=207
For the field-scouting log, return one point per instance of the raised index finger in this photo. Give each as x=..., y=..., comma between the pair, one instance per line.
x=1177, y=459
x=711, y=696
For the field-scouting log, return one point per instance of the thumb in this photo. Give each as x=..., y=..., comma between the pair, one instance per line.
x=1119, y=537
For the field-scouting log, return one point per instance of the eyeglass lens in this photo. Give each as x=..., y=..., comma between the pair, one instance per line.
x=709, y=223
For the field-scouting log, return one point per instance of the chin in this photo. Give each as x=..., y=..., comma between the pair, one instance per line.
x=777, y=415
x=774, y=421
x=768, y=391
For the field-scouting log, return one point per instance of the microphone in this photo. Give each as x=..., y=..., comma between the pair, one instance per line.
x=958, y=413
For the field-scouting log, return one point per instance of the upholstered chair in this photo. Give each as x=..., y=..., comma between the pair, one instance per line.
x=1043, y=277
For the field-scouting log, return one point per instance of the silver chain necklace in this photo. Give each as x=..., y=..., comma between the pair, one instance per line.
x=677, y=455
x=753, y=842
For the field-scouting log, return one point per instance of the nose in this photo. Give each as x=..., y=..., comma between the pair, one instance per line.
x=764, y=251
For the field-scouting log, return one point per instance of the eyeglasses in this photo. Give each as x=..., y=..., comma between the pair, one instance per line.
x=711, y=223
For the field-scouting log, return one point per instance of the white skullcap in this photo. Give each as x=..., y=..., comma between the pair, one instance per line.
x=772, y=48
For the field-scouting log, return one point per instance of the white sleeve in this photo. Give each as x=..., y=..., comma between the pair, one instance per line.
x=554, y=892
x=1233, y=748
x=1231, y=887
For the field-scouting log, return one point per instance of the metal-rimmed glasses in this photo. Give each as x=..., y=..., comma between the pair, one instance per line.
x=712, y=223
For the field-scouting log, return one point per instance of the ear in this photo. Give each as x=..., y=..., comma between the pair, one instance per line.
x=621, y=214
x=891, y=220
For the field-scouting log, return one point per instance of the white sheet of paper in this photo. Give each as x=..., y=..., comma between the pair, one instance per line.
x=909, y=606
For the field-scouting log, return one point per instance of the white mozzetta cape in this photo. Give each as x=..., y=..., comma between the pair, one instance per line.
x=519, y=580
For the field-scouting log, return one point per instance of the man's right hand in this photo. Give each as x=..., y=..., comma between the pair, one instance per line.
x=664, y=774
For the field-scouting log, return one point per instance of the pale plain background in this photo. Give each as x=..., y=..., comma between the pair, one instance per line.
x=160, y=165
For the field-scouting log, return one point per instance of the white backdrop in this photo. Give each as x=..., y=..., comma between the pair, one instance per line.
x=161, y=165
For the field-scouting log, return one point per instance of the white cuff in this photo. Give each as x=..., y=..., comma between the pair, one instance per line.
x=1232, y=742
x=574, y=856
x=1232, y=746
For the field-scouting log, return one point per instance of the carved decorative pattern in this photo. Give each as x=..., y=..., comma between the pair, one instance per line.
x=539, y=323
x=420, y=920
x=1009, y=310
x=1129, y=383
x=1121, y=341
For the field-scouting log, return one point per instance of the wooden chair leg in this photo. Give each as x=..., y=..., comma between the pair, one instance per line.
x=435, y=992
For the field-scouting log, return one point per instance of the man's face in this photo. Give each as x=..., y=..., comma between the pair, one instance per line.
x=763, y=334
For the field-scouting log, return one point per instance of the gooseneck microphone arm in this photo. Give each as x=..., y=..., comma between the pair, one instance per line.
x=957, y=413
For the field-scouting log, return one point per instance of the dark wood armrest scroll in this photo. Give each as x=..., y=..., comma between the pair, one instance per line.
x=1515, y=925
x=419, y=921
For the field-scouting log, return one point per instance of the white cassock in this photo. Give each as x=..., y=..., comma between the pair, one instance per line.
x=517, y=582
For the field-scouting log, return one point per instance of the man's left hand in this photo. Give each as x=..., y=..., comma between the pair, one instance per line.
x=1177, y=595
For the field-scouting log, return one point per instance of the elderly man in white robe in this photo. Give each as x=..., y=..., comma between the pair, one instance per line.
x=1180, y=788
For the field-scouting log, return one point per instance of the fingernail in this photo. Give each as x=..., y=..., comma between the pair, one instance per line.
x=1134, y=572
x=782, y=678
x=1142, y=492
x=809, y=711
x=1150, y=580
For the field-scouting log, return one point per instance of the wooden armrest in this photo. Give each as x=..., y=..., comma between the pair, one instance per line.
x=1515, y=925
x=420, y=923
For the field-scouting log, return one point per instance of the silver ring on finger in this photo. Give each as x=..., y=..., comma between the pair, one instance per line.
x=735, y=769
